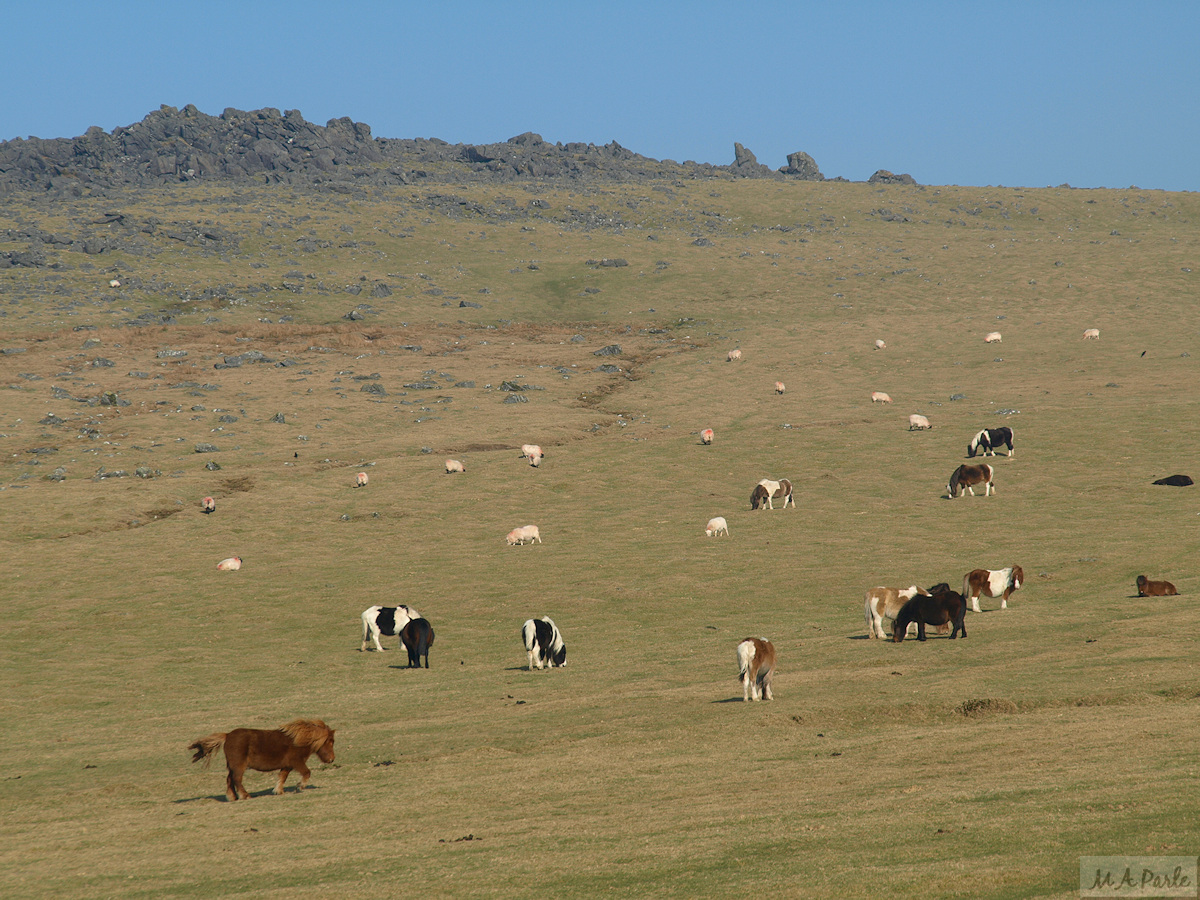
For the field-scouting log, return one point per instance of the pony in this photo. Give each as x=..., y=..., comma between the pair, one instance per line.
x=767, y=489
x=883, y=604
x=417, y=638
x=543, y=643
x=286, y=748
x=989, y=440
x=1176, y=480
x=937, y=608
x=1148, y=588
x=965, y=476
x=756, y=665
x=994, y=583
x=387, y=620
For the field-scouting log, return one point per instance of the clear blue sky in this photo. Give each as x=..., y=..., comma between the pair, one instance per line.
x=1097, y=94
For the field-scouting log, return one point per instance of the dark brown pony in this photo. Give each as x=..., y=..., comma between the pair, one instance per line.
x=942, y=607
x=1148, y=588
x=966, y=476
x=285, y=748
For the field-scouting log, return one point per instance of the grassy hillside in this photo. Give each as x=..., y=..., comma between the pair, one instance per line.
x=636, y=770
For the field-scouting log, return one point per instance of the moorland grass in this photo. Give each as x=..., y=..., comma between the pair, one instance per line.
x=636, y=770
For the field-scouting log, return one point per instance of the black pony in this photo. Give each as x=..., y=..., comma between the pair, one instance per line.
x=989, y=440
x=417, y=637
x=940, y=608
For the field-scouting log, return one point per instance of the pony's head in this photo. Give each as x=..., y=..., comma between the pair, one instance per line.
x=313, y=734
x=759, y=497
x=559, y=656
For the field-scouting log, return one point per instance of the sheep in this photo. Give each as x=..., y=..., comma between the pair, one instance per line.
x=992, y=337
x=880, y=397
x=779, y=387
x=706, y=436
x=360, y=480
x=207, y=505
x=454, y=465
x=519, y=536
x=533, y=453
x=880, y=345
x=733, y=354
x=1092, y=334
x=114, y=283
x=717, y=525
x=920, y=423
x=232, y=564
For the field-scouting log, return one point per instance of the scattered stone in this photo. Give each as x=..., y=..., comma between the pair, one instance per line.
x=516, y=398
x=146, y=472
x=610, y=350
x=52, y=419
x=212, y=466
x=376, y=389
x=512, y=386
x=278, y=417
x=206, y=448
x=469, y=304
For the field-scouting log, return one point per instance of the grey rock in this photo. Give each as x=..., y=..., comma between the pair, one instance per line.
x=206, y=448
x=610, y=350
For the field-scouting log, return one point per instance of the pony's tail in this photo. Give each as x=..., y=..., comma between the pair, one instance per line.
x=745, y=654
x=206, y=747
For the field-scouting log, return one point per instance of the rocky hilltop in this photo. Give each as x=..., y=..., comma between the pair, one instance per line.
x=264, y=145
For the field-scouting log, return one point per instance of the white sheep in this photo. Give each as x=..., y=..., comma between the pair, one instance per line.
x=525, y=533
x=992, y=337
x=360, y=480
x=920, y=423
x=717, y=525
x=208, y=504
x=232, y=564
x=706, y=436
x=734, y=354
x=1092, y=334
x=880, y=345
x=454, y=465
x=533, y=453
x=880, y=397
x=779, y=387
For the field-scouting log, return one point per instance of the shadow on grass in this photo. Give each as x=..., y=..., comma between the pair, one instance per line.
x=266, y=792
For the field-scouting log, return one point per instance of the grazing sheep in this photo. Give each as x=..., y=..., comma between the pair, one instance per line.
x=114, y=283
x=717, y=525
x=734, y=354
x=533, y=453
x=1148, y=588
x=706, y=436
x=232, y=564
x=919, y=423
x=360, y=480
x=525, y=533
x=1091, y=334
x=207, y=505
x=880, y=397
x=454, y=465
x=880, y=345
x=779, y=387
x=992, y=337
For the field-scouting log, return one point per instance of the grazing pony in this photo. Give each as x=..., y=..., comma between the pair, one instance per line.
x=386, y=620
x=994, y=583
x=966, y=476
x=938, y=608
x=360, y=480
x=543, y=643
x=208, y=504
x=1148, y=588
x=706, y=436
x=766, y=490
x=883, y=604
x=283, y=749
x=717, y=525
x=417, y=637
x=990, y=440
x=756, y=665
x=232, y=564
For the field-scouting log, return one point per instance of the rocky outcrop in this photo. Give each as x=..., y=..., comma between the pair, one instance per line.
x=265, y=145
x=883, y=176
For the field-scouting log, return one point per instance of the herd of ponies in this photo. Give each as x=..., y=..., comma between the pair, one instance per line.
x=890, y=612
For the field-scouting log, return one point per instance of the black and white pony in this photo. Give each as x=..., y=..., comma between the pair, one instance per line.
x=543, y=643
x=417, y=638
x=387, y=620
x=990, y=440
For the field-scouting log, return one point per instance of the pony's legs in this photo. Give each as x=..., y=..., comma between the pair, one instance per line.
x=234, y=786
x=283, y=774
x=305, y=774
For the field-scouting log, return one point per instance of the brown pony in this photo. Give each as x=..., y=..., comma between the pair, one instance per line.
x=1148, y=588
x=285, y=748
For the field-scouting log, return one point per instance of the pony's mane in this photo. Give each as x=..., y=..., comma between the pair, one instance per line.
x=307, y=732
